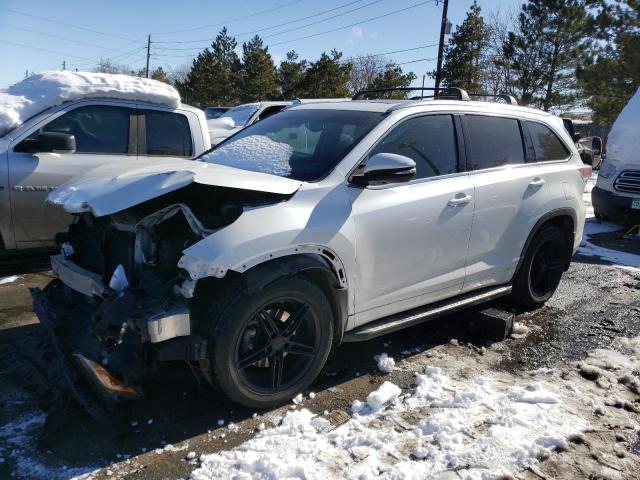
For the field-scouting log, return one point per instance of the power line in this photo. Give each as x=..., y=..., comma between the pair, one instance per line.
x=353, y=24
x=44, y=50
x=230, y=21
x=65, y=24
x=80, y=42
x=300, y=19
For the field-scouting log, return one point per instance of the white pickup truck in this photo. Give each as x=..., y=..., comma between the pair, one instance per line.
x=100, y=126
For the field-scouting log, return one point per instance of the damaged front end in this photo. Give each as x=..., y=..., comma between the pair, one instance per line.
x=120, y=305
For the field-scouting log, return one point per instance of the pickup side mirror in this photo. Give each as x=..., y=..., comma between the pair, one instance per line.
x=383, y=168
x=596, y=145
x=49, y=142
x=576, y=137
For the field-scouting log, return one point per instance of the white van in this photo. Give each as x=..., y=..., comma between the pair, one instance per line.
x=616, y=195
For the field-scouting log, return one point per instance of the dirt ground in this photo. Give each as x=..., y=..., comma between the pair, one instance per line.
x=595, y=304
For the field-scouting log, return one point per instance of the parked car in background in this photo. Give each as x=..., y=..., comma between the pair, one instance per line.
x=325, y=223
x=214, y=112
x=616, y=195
x=80, y=131
x=236, y=118
x=590, y=148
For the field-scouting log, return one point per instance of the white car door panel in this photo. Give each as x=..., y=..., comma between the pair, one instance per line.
x=412, y=239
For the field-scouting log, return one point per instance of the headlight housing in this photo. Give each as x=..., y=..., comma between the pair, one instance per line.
x=607, y=170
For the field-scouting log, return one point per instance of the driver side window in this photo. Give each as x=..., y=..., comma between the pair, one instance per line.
x=430, y=141
x=97, y=128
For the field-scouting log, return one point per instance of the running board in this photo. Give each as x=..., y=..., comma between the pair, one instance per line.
x=422, y=314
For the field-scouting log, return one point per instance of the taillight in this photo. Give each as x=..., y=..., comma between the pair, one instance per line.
x=586, y=172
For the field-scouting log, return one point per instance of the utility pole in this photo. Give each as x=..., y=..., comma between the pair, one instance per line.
x=64, y=65
x=443, y=27
x=148, y=53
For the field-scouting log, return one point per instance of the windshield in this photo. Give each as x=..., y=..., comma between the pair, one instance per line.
x=299, y=144
x=241, y=114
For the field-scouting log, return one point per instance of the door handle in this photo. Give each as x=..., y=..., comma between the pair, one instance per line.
x=460, y=199
x=536, y=182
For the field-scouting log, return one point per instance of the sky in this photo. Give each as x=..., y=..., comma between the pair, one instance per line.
x=38, y=35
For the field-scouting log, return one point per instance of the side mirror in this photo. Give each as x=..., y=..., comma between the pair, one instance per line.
x=576, y=137
x=596, y=145
x=50, y=142
x=227, y=122
x=383, y=168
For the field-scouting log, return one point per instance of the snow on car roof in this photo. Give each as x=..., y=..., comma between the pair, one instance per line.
x=47, y=89
x=623, y=143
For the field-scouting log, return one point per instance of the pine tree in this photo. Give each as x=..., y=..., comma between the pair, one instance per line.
x=290, y=76
x=610, y=70
x=392, y=77
x=258, y=80
x=545, y=50
x=327, y=77
x=214, y=75
x=463, y=54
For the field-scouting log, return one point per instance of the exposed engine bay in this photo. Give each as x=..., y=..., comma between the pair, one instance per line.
x=118, y=309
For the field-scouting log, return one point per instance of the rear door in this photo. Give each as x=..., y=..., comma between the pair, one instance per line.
x=103, y=135
x=163, y=133
x=510, y=192
x=412, y=238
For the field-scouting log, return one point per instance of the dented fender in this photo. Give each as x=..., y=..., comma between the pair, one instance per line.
x=305, y=224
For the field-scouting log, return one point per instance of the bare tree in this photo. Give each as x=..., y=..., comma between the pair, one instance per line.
x=497, y=66
x=365, y=69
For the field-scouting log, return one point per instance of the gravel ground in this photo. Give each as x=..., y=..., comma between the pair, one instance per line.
x=594, y=305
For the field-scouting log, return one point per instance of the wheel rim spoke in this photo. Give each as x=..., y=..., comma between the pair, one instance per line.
x=268, y=324
x=297, y=348
x=295, y=320
x=254, y=356
x=276, y=368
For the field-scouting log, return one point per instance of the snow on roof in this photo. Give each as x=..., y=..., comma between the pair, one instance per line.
x=623, y=142
x=47, y=89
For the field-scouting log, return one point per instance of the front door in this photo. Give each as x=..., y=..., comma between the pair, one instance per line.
x=412, y=239
x=102, y=134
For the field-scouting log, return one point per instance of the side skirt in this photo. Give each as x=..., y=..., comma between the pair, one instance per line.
x=422, y=314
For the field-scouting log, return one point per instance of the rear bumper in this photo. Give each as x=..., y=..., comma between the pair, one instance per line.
x=614, y=206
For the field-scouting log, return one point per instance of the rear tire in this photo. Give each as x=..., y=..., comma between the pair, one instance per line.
x=267, y=347
x=542, y=268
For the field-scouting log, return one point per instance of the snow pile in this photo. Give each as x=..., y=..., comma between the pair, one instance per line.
x=481, y=428
x=255, y=153
x=47, y=89
x=385, y=363
x=519, y=330
x=623, y=142
x=10, y=279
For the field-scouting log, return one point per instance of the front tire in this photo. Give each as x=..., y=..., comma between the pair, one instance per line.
x=541, y=269
x=267, y=347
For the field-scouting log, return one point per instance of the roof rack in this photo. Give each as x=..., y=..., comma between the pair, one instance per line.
x=440, y=93
x=509, y=99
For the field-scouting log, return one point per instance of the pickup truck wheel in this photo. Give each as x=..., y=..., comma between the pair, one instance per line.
x=541, y=269
x=267, y=347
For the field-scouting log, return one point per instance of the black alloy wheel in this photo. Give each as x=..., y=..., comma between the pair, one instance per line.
x=541, y=269
x=277, y=347
x=267, y=346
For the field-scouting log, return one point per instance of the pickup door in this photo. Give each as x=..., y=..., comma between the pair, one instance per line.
x=104, y=133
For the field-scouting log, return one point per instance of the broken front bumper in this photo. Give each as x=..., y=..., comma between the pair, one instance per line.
x=94, y=388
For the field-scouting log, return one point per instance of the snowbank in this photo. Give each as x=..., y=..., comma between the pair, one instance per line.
x=481, y=428
x=47, y=89
x=623, y=142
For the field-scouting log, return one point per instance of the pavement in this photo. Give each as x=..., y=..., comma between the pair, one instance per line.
x=181, y=418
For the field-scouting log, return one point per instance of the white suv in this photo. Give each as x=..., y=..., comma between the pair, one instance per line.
x=324, y=223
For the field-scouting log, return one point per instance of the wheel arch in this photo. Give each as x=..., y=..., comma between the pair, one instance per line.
x=565, y=219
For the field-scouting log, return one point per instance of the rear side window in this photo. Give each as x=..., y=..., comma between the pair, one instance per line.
x=546, y=144
x=429, y=140
x=167, y=133
x=97, y=128
x=495, y=141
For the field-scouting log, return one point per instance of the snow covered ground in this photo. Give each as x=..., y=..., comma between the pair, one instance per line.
x=488, y=426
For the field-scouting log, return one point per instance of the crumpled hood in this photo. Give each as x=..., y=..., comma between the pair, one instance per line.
x=111, y=188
